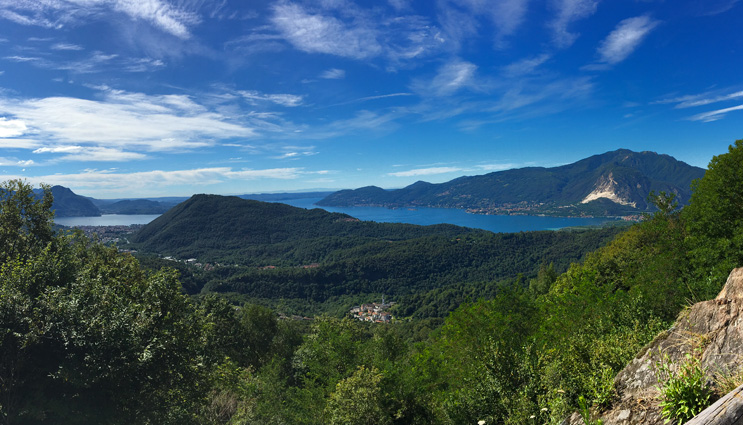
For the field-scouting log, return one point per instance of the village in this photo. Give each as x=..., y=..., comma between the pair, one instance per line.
x=373, y=312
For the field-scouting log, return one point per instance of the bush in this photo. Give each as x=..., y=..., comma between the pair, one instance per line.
x=683, y=387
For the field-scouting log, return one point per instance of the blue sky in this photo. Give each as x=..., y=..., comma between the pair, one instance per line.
x=134, y=98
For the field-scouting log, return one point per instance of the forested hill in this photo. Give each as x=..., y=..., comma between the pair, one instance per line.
x=613, y=183
x=69, y=204
x=215, y=227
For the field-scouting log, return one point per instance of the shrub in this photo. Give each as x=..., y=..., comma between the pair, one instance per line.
x=683, y=387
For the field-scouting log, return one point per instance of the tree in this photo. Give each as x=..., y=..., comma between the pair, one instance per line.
x=357, y=400
x=714, y=217
x=86, y=336
x=25, y=221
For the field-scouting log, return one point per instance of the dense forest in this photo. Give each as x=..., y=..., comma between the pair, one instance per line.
x=89, y=336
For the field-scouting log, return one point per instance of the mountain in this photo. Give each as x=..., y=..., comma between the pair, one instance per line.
x=68, y=204
x=136, y=206
x=613, y=183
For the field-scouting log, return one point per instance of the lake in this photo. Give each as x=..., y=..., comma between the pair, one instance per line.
x=428, y=216
x=107, y=220
x=421, y=216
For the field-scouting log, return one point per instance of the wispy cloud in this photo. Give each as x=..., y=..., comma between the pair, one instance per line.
x=106, y=183
x=58, y=13
x=714, y=7
x=701, y=99
x=296, y=152
x=625, y=39
x=449, y=79
x=95, y=62
x=568, y=12
x=715, y=115
x=317, y=33
x=526, y=66
x=425, y=171
x=161, y=14
x=289, y=100
x=90, y=154
x=119, y=120
x=370, y=98
x=333, y=74
x=66, y=46
x=347, y=30
x=460, y=19
x=15, y=162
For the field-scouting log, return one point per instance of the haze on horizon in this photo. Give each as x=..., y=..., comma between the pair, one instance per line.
x=147, y=98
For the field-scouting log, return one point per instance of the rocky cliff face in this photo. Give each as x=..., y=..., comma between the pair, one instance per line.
x=711, y=329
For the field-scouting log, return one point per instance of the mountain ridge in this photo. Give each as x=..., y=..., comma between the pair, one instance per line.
x=624, y=177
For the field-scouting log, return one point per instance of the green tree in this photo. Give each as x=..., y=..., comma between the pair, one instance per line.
x=714, y=217
x=27, y=221
x=86, y=336
x=357, y=400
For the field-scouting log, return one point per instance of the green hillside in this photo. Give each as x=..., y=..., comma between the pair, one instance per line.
x=270, y=251
x=248, y=232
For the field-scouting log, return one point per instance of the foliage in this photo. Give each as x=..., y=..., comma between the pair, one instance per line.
x=683, y=388
x=85, y=332
x=714, y=217
x=585, y=412
x=25, y=222
x=357, y=400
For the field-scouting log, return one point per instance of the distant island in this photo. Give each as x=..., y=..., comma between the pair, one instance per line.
x=615, y=183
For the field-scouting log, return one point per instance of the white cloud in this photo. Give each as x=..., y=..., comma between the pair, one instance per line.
x=11, y=128
x=425, y=171
x=90, y=154
x=120, y=120
x=161, y=14
x=316, y=33
x=288, y=100
x=108, y=182
x=496, y=167
x=715, y=115
x=296, y=152
x=333, y=74
x=569, y=11
x=66, y=46
x=58, y=13
x=701, y=99
x=96, y=62
x=460, y=18
x=625, y=38
x=14, y=162
x=526, y=66
x=449, y=79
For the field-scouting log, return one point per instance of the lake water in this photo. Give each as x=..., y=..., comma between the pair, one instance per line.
x=421, y=216
x=107, y=220
x=428, y=216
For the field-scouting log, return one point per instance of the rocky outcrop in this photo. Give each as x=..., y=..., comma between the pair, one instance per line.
x=711, y=330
